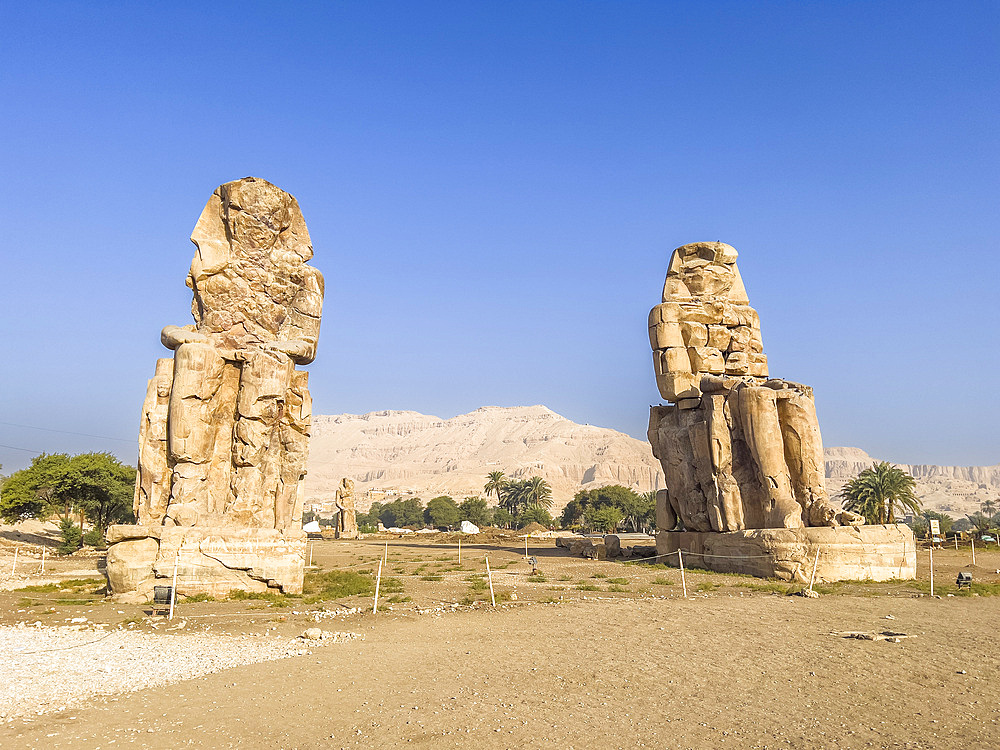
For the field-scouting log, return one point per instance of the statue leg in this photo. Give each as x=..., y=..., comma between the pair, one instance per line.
x=720, y=443
x=294, y=431
x=762, y=432
x=803, y=449
x=198, y=375
x=264, y=382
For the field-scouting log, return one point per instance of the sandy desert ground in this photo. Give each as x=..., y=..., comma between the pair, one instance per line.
x=586, y=654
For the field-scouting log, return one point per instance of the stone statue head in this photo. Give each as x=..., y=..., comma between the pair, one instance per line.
x=252, y=244
x=703, y=269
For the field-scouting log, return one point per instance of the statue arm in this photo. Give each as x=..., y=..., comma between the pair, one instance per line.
x=173, y=336
x=299, y=334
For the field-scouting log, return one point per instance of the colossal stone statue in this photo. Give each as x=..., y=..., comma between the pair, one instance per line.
x=224, y=434
x=347, y=518
x=740, y=450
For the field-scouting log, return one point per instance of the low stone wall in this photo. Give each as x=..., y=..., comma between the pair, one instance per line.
x=210, y=560
x=874, y=553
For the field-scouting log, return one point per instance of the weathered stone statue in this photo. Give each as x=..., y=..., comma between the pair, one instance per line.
x=224, y=434
x=347, y=520
x=740, y=450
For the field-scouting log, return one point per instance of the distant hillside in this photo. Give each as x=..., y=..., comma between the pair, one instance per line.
x=957, y=490
x=405, y=451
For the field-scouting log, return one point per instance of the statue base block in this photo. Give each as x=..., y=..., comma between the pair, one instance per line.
x=210, y=560
x=846, y=553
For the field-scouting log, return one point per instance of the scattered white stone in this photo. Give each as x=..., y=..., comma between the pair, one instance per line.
x=46, y=669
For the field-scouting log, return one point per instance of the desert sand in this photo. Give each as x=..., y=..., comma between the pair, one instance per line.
x=591, y=654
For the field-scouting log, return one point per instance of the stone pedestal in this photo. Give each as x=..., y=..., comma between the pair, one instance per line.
x=874, y=553
x=211, y=560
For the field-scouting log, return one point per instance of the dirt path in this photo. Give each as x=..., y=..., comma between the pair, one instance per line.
x=712, y=671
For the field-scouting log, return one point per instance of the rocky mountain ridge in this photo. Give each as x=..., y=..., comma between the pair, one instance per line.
x=402, y=452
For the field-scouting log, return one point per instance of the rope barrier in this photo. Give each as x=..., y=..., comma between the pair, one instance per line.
x=66, y=648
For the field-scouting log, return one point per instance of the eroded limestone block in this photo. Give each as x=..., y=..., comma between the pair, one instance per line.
x=130, y=563
x=845, y=553
x=209, y=560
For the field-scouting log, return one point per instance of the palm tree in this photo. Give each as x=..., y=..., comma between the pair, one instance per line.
x=538, y=493
x=877, y=493
x=515, y=497
x=988, y=507
x=495, y=483
x=980, y=523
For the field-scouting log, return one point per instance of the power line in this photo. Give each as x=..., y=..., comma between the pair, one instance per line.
x=26, y=450
x=64, y=432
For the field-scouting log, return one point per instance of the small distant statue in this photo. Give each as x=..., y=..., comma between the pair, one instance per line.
x=347, y=522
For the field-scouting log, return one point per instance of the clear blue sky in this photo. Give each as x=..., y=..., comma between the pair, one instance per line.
x=493, y=192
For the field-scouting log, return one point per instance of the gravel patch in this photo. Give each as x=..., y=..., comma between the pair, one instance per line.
x=47, y=669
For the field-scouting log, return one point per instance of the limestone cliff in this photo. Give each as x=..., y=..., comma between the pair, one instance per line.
x=405, y=450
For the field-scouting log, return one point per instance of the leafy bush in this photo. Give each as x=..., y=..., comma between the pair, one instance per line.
x=71, y=535
x=94, y=538
x=477, y=582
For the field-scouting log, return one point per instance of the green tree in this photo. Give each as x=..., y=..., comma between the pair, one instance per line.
x=604, y=518
x=534, y=515
x=980, y=523
x=962, y=524
x=495, y=484
x=515, y=497
x=645, y=518
x=95, y=485
x=30, y=492
x=637, y=511
x=575, y=511
x=474, y=510
x=502, y=518
x=988, y=507
x=537, y=493
x=877, y=493
x=409, y=512
x=374, y=513
x=441, y=511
